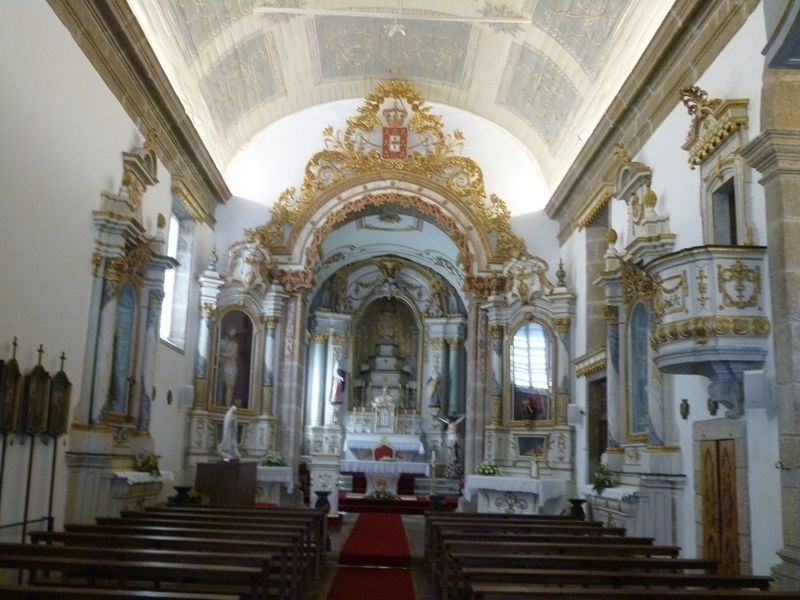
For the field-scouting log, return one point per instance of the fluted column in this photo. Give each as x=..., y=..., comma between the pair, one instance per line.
x=453, y=376
x=271, y=324
x=316, y=382
x=613, y=411
x=496, y=362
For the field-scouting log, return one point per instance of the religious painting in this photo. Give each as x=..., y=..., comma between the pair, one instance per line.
x=10, y=387
x=58, y=413
x=124, y=338
x=35, y=400
x=531, y=365
x=638, y=345
x=532, y=446
x=234, y=360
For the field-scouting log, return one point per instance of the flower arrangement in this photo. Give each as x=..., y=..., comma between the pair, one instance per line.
x=603, y=478
x=147, y=462
x=387, y=459
x=273, y=458
x=487, y=468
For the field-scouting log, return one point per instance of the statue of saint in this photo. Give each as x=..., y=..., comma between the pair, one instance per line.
x=228, y=448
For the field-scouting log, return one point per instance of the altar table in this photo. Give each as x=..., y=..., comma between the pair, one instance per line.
x=384, y=474
x=269, y=481
x=362, y=445
x=515, y=495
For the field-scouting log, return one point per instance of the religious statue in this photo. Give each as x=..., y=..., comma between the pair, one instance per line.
x=228, y=448
x=433, y=387
x=337, y=386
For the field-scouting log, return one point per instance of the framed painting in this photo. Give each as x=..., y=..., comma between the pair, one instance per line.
x=234, y=361
x=532, y=445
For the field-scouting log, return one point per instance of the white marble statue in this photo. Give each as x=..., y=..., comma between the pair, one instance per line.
x=228, y=448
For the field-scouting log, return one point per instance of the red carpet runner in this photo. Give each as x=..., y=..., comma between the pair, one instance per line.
x=377, y=540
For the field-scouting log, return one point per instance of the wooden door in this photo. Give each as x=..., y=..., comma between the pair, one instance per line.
x=719, y=504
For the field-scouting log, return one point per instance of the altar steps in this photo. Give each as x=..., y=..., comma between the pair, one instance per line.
x=408, y=505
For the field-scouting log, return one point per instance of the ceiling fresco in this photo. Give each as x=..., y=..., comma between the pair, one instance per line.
x=544, y=70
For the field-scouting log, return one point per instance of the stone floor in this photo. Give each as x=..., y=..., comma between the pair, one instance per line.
x=415, y=532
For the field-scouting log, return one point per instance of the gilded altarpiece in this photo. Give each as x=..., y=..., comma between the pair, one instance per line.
x=112, y=421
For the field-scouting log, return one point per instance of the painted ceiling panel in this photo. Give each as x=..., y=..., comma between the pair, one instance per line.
x=530, y=66
x=243, y=80
x=584, y=27
x=358, y=47
x=538, y=91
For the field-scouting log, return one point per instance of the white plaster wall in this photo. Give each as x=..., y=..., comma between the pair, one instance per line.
x=62, y=133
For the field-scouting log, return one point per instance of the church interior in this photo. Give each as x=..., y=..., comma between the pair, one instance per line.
x=523, y=259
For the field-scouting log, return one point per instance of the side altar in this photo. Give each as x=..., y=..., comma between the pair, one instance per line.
x=516, y=495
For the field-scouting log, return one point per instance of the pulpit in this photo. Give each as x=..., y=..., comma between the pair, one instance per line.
x=227, y=483
x=516, y=495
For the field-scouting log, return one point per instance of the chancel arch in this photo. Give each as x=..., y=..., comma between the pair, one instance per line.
x=388, y=274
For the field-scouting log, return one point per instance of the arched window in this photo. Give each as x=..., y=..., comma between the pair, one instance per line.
x=531, y=358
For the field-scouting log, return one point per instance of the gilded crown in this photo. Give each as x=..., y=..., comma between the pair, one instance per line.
x=395, y=116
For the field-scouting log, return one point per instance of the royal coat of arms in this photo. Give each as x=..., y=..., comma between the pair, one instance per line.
x=395, y=135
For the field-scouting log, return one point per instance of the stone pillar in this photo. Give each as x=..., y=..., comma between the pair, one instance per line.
x=596, y=245
x=775, y=153
x=105, y=350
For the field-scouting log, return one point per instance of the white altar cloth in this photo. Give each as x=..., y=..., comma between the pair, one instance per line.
x=370, y=441
x=384, y=474
x=514, y=494
x=269, y=481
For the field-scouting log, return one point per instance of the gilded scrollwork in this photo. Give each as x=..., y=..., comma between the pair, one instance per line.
x=637, y=286
x=713, y=121
x=526, y=278
x=357, y=151
x=131, y=266
x=670, y=295
x=744, y=279
x=702, y=329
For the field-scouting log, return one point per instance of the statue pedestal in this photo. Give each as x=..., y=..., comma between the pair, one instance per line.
x=227, y=483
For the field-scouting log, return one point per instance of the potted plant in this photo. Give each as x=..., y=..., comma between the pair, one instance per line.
x=487, y=468
x=273, y=458
x=603, y=478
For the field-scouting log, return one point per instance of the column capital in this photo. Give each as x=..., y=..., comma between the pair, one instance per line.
x=320, y=337
x=774, y=152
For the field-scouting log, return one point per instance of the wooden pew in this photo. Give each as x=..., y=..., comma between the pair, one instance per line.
x=117, y=553
x=317, y=516
x=285, y=585
x=452, y=579
x=533, y=531
x=516, y=591
x=100, y=572
x=38, y=592
x=305, y=555
x=434, y=518
x=608, y=579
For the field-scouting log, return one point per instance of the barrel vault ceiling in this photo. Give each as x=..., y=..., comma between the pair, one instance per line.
x=543, y=70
